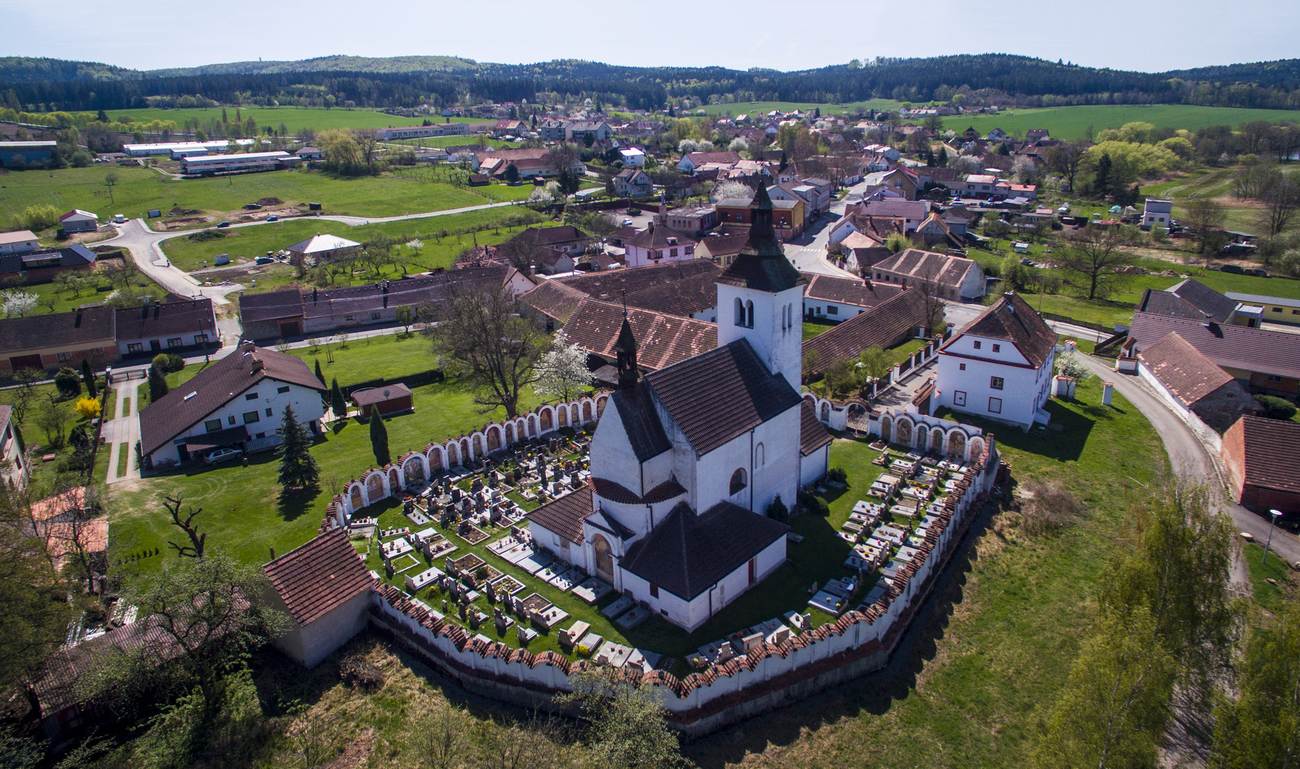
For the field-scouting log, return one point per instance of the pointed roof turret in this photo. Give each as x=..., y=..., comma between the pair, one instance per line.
x=625, y=349
x=761, y=264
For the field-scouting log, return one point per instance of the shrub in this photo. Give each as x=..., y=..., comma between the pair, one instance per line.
x=812, y=504
x=360, y=673
x=837, y=475
x=169, y=362
x=87, y=408
x=777, y=511
x=68, y=382
x=1275, y=407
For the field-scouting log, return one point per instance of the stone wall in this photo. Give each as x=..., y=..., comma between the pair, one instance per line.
x=857, y=642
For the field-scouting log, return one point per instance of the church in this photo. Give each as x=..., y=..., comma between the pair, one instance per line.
x=688, y=462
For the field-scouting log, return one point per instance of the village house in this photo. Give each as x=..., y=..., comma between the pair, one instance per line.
x=827, y=297
x=657, y=244
x=692, y=220
x=687, y=461
x=692, y=161
x=42, y=265
x=788, y=214
x=78, y=220
x=682, y=288
x=587, y=131
x=14, y=469
x=171, y=326
x=889, y=323
x=901, y=181
x=237, y=402
x=632, y=157
x=18, y=242
x=1266, y=361
x=528, y=163
x=1206, y=396
x=1000, y=366
x=946, y=277
x=633, y=183
x=321, y=248
x=1261, y=456
x=1157, y=213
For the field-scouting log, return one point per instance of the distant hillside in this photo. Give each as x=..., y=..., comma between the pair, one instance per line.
x=391, y=64
x=404, y=81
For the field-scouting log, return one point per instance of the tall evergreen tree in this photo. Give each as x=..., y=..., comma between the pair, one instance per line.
x=337, y=402
x=88, y=377
x=325, y=396
x=297, y=466
x=157, y=383
x=378, y=437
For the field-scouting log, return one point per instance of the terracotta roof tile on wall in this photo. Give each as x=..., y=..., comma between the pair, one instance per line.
x=319, y=576
x=662, y=340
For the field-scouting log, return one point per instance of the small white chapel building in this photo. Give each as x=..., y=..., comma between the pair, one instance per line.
x=687, y=461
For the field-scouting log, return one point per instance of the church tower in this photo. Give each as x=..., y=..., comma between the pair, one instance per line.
x=625, y=350
x=760, y=297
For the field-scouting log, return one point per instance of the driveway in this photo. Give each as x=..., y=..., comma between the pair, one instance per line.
x=1189, y=457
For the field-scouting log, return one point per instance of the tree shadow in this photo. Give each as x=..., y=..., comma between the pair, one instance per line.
x=293, y=503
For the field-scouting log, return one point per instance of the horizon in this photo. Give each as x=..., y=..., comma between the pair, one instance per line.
x=1187, y=34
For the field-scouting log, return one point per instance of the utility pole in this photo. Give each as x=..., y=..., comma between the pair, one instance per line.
x=1273, y=515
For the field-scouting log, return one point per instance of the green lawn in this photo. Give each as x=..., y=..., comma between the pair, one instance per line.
x=753, y=108
x=402, y=191
x=901, y=352
x=812, y=328
x=1263, y=567
x=52, y=298
x=459, y=140
x=295, y=119
x=443, y=237
x=1074, y=122
x=391, y=356
x=969, y=692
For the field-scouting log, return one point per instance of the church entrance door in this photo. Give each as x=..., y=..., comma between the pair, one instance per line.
x=604, y=559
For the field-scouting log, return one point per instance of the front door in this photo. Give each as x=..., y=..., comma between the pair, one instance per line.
x=604, y=558
x=155, y=345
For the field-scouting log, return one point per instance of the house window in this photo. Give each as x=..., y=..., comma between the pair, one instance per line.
x=212, y=425
x=959, y=397
x=995, y=405
x=175, y=341
x=749, y=314
x=348, y=318
x=133, y=347
x=200, y=339
x=374, y=316
x=760, y=455
x=997, y=348
x=1277, y=309
x=832, y=310
x=282, y=389
x=230, y=419
x=268, y=411
x=251, y=396
x=961, y=366
x=250, y=417
x=978, y=345
x=738, y=481
x=63, y=357
x=996, y=382
x=654, y=590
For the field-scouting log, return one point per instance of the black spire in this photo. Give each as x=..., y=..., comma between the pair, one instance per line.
x=625, y=348
x=761, y=264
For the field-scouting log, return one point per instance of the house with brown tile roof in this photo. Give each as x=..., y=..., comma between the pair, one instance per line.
x=888, y=324
x=1000, y=366
x=325, y=588
x=663, y=339
x=1194, y=385
x=1267, y=361
x=829, y=297
x=1261, y=456
x=685, y=288
x=237, y=402
x=947, y=277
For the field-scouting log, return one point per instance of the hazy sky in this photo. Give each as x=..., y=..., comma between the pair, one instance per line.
x=1150, y=36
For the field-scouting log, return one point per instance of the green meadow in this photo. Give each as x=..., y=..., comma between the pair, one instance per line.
x=295, y=119
x=1075, y=122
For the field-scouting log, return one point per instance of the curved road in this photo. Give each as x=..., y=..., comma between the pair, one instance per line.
x=1189, y=457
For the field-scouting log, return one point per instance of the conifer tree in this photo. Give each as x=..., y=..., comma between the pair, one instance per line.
x=298, y=469
x=378, y=437
x=88, y=376
x=157, y=384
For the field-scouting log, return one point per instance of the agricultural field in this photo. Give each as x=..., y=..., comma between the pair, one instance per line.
x=1074, y=122
x=137, y=190
x=443, y=237
x=758, y=107
x=462, y=140
x=1241, y=215
x=295, y=119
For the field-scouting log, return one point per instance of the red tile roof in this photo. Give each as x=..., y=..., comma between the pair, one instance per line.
x=812, y=433
x=1230, y=346
x=662, y=339
x=1272, y=453
x=319, y=577
x=1012, y=319
x=848, y=290
x=885, y=325
x=565, y=515
x=940, y=269
x=1182, y=369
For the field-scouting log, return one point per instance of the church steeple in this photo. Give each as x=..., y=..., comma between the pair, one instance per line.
x=625, y=349
x=761, y=264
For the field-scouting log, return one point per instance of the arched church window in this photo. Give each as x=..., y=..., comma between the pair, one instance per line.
x=760, y=455
x=749, y=313
x=740, y=312
x=738, y=481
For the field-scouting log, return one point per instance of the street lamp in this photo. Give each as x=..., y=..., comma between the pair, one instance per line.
x=1273, y=514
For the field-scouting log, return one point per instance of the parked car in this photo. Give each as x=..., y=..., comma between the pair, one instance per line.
x=222, y=225
x=221, y=455
x=273, y=218
x=119, y=219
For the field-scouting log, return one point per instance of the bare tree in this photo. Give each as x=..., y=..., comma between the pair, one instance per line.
x=440, y=742
x=1095, y=257
x=186, y=524
x=1281, y=198
x=1206, y=216
x=484, y=340
x=368, y=145
x=1065, y=159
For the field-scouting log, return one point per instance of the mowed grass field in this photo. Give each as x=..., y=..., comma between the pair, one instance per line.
x=759, y=107
x=1074, y=122
x=296, y=119
x=996, y=640
x=403, y=191
x=443, y=237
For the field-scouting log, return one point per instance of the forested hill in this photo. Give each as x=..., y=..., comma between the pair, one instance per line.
x=441, y=80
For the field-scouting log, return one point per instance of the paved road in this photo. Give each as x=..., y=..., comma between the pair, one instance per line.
x=1189, y=457
x=808, y=252
x=122, y=432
